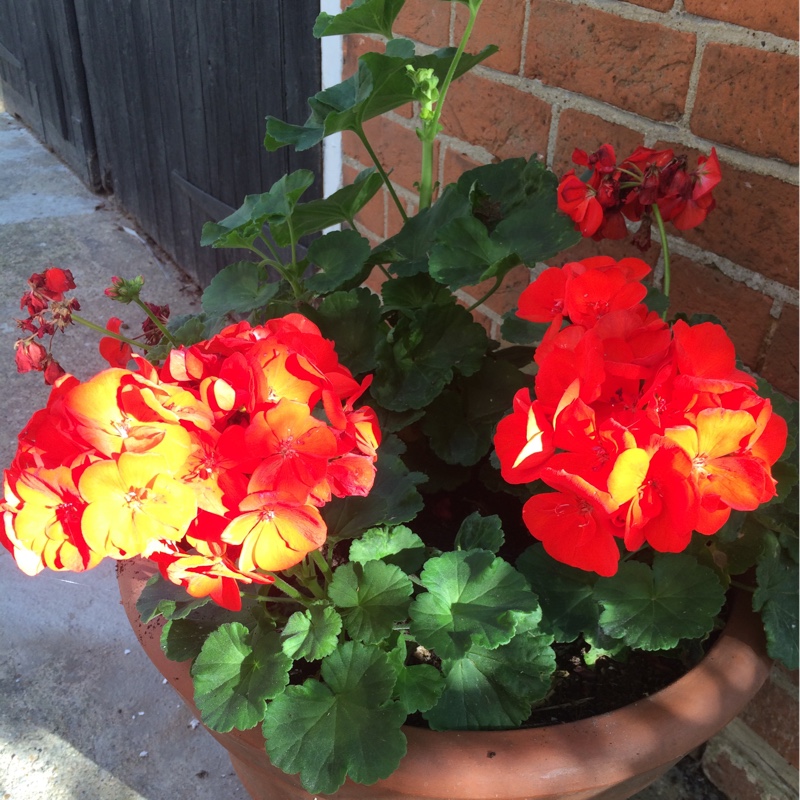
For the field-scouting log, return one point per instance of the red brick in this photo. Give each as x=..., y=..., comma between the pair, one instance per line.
x=748, y=99
x=398, y=149
x=499, y=22
x=425, y=21
x=698, y=289
x=731, y=779
x=639, y=66
x=780, y=365
x=656, y=5
x=755, y=222
x=509, y=122
x=587, y=132
x=372, y=215
x=456, y=164
x=375, y=280
x=773, y=715
x=776, y=16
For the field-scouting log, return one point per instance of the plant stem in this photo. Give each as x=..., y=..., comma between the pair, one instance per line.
x=322, y=565
x=743, y=586
x=281, y=584
x=497, y=283
x=156, y=321
x=361, y=135
x=93, y=326
x=664, y=249
x=431, y=127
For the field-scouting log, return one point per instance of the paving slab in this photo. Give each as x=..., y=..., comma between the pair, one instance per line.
x=83, y=713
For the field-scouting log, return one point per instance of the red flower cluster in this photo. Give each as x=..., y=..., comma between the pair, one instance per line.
x=629, y=190
x=645, y=433
x=215, y=466
x=48, y=311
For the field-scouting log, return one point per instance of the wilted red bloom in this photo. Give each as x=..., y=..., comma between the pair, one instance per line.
x=644, y=179
x=152, y=333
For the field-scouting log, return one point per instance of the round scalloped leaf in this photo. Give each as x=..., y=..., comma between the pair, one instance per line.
x=473, y=599
x=480, y=533
x=418, y=687
x=397, y=545
x=495, y=688
x=777, y=599
x=311, y=634
x=566, y=594
x=340, y=255
x=238, y=288
x=234, y=677
x=370, y=597
x=654, y=608
x=344, y=726
x=424, y=353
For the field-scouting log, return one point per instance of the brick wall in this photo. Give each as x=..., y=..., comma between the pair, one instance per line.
x=689, y=74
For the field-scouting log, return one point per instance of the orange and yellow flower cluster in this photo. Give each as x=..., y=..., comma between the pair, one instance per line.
x=215, y=465
x=644, y=432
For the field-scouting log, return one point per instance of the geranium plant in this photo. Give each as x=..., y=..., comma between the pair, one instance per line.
x=363, y=510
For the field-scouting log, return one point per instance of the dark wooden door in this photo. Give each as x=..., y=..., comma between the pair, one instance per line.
x=175, y=95
x=43, y=80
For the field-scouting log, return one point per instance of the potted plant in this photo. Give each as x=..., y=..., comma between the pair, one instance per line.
x=371, y=523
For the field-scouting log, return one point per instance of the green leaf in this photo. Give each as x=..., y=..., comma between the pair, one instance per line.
x=361, y=16
x=393, y=498
x=464, y=254
x=182, y=639
x=275, y=206
x=408, y=294
x=397, y=545
x=345, y=726
x=408, y=250
x=480, y=533
x=235, y=674
x=777, y=599
x=418, y=687
x=520, y=331
x=341, y=255
x=164, y=598
x=473, y=599
x=311, y=634
x=516, y=201
x=460, y=422
x=494, y=688
x=654, y=608
x=566, y=594
x=400, y=48
x=424, y=353
x=370, y=597
x=341, y=206
x=380, y=84
x=238, y=289
x=353, y=320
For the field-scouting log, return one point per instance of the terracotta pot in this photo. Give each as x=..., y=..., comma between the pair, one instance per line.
x=608, y=757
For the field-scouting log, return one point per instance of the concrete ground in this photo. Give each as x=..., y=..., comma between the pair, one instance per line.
x=83, y=713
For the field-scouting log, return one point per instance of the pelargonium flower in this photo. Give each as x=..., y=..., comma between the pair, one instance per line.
x=644, y=432
x=215, y=465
